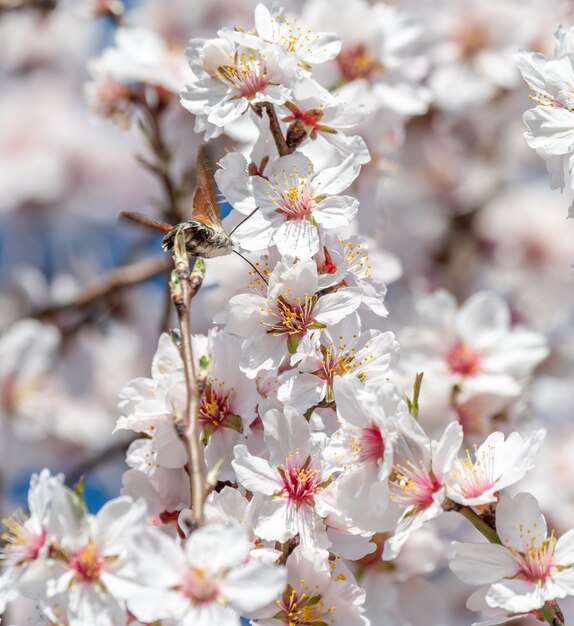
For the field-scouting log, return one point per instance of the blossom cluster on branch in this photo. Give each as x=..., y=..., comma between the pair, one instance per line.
x=329, y=443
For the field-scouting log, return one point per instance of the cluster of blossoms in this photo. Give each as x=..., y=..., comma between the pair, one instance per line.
x=551, y=122
x=324, y=468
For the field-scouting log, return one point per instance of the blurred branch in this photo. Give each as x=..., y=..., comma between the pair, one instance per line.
x=150, y=125
x=42, y=5
x=117, y=448
x=118, y=278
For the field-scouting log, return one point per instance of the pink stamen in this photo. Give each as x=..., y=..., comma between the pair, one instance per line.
x=462, y=360
x=87, y=563
x=373, y=445
x=300, y=480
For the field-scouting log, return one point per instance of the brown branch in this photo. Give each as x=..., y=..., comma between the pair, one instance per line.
x=274, y=127
x=184, y=285
x=118, y=278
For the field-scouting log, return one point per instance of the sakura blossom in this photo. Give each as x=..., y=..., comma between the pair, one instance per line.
x=549, y=123
x=227, y=78
x=341, y=352
x=275, y=27
x=380, y=57
x=528, y=567
x=292, y=480
x=315, y=428
x=297, y=204
x=315, y=594
x=206, y=580
x=27, y=539
x=419, y=475
x=361, y=451
x=275, y=323
x=496, y=464
x=471, y=353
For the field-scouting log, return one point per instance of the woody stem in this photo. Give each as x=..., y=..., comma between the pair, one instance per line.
x=184, y=285
x=274, y=127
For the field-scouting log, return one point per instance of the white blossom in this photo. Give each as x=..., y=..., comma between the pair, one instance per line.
x=528, y=568
x=206, y=581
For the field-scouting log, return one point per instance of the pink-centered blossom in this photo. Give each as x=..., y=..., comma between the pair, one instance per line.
x=291, y=481
x=528, y=568
x=418, y=479
x=316, y=594
x=494, y=465
x=227, y=79
x=274, y=323
x=360, y=452
x=206, y=581
x=339, y=352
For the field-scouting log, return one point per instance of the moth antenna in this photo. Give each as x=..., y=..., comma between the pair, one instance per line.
x=148, y=222
x=253, y=266
x=242, y=221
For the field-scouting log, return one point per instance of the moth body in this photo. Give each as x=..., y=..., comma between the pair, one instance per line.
x=200, y=240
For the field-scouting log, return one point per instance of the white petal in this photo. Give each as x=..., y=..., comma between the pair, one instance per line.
x=297, y=237
x=254, y=473
x=564, y=552
x=519, y=522
x=253, y=586
x=551, y=130
x=336, y=211
x=333, y=307
x=516, y=596
x=446, y=450
x=333, y=180
x=482, y=563
x=217, y=548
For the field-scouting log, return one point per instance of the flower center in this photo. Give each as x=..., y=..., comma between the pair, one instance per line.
x=290, y=34
x=200, y=587
x=474, y=475
x=293, y=318
x=372, y=444
x=215, y=409
x=300, y=480
x=413, y=485
x=336, y=362
x=461, y=359
x=87, y=563
x=21, y=544
x=248, y=74
x=297, y=202
x=357, y=62
x=303, y=609
x=537, y=563
x=357, y=259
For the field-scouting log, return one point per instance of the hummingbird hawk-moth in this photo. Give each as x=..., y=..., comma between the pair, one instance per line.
x=204, y=234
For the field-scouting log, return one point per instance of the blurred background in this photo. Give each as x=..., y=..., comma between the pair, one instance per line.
x=452, y=198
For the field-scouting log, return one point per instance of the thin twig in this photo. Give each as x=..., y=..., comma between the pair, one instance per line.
x=184, y=285
x=118, y=278
x=153, y=133
x=117, y=448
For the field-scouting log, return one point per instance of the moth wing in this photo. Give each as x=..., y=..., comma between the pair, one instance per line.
x=205, y=207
